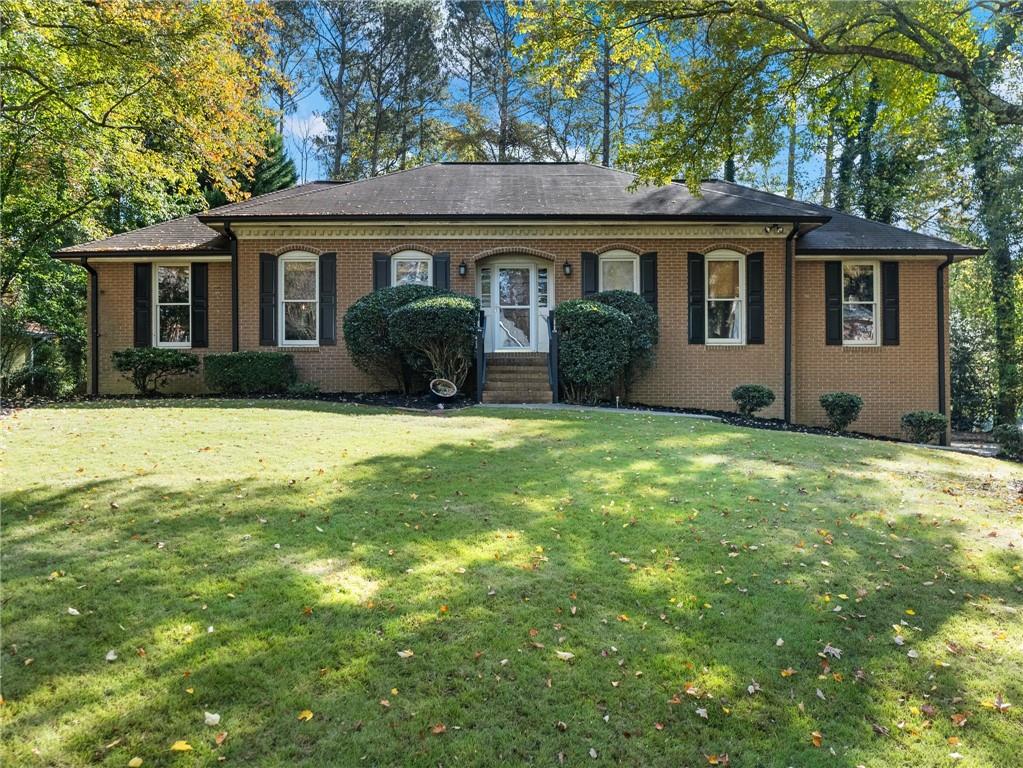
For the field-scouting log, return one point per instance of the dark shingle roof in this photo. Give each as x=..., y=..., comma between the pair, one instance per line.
x=565, y=191
x=511, y=190
x=177, y=236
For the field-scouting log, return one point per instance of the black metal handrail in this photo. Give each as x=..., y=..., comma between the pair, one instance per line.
x=552, y=356
x=481, y=356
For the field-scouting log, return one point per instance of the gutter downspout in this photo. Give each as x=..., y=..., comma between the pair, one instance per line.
x=93, y=325
x=790, y=254
x=234, y=285
x=941, y=340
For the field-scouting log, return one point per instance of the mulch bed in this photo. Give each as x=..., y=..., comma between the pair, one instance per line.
x=738, y=420
x=382, y=399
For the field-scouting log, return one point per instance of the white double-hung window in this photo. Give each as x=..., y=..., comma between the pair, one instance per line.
x=411, y=268
x=299, y=279
x=619, y=271
x=172, y=308
x=726, y=285
x=859, y=303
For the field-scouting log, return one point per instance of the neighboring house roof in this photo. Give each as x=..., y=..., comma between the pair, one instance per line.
x=186, y=235
x=524, y=191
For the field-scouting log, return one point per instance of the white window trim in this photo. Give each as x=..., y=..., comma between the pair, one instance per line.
x=411, y=256
x=618, y=256
x=293, y=257
x=157, y=304
x=724, y=256
x=876, y=265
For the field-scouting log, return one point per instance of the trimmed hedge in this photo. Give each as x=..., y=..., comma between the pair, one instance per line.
x=924, y=426
x=642, y=336
x=751, y=398
x=148, y=368
x=440, y=329
x=842, y=408
x=366, y=332
x=250, y=373
x=593, y=351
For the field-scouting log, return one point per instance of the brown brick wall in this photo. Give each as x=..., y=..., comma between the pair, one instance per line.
x=116, y=325
x=892, y=380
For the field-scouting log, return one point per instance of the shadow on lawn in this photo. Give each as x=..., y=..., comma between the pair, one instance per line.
x=530, y=521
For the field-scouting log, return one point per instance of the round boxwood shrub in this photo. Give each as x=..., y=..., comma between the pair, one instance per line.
x=751, y=398
x=440, y=330
x=924, y=426
x=366, y=334
x=594, y=348
x=842, y=408
x=643, y=334
x=1010, y=439
x=250, y=373
x=149, y=368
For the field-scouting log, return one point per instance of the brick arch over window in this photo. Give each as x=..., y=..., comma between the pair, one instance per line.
x=303, y=247
x=725, y=246
x=410, y=247
x=618, y=247
x=509, y=250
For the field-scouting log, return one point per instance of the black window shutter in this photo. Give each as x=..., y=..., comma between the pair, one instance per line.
x=755, y=298
x=648, y=278
x=833, y=303
x=890, y=303
x=267, y=300
x=697, y=332
x=143, y=312
x=381, y=271
x=200, y=305
x=328, y=299
x=590, y=282
x=442, y=271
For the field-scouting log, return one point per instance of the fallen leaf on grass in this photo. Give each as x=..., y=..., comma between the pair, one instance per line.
x=111, y=655
x=135, y=762
x=181, y=746
x=788, y=672
x=408, y=653
x=211, y=718
x=721, y=759
x=565, y=655
x=220, y=738
x=305, y=715
x=999, y=704
x=438, y=729
x=73, y=612
x=816, y=738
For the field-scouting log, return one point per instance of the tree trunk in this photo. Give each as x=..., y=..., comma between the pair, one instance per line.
x=790, y=186
x=843, y=194
x=606, y=96
x=829, y=165
x=730, y=169
x=994, y=212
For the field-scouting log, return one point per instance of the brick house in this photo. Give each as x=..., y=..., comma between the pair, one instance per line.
x=750, y=287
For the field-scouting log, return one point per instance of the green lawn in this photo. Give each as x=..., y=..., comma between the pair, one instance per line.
x=258, y=560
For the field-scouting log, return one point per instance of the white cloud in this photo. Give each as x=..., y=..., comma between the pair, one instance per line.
x=304, y=126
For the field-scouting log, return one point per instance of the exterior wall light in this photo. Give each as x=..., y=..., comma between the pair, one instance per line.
x=463, y=269
x=567, y=269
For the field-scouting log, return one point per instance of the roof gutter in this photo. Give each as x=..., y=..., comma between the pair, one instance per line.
x=790, y=256
x=511, y=218
x=93, y=325
x=940, y=305
x=234, y=285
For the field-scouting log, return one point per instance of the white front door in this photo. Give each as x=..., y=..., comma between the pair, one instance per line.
x=515, y=299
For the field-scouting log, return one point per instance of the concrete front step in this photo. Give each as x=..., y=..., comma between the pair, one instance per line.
x=511, y=389
x=522, y=376
x=511, y=360
x=521, y=396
